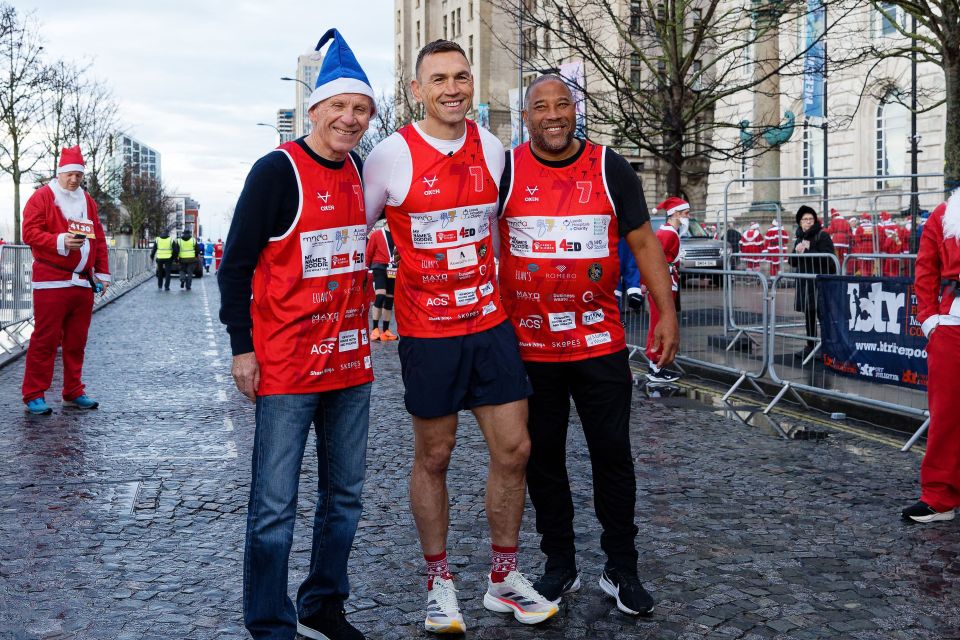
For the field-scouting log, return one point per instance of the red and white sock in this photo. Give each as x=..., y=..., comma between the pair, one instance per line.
x=504, y=561
x=437, y=568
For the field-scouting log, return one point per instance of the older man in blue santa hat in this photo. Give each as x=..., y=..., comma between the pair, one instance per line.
x=301, y=350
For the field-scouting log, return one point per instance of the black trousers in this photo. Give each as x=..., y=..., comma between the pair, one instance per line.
x=163, y=272
x=601, y=388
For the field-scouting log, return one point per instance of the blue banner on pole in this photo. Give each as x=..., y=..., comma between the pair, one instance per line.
x=870, y=329
x=813, y=63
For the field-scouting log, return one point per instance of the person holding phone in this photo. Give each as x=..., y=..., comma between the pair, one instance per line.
x=61, y=225
x=810, y=238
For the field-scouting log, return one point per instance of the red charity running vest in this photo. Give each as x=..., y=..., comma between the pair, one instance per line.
x=310, y=295
x=446, y=282
x=559, y=265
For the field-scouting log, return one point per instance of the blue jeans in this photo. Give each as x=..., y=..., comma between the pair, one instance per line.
x=340, y=419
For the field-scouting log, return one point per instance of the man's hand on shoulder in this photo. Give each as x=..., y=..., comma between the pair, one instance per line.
x=246, y=374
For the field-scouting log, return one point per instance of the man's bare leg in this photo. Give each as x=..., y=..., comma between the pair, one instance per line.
x=434, y=439
x=505, y=428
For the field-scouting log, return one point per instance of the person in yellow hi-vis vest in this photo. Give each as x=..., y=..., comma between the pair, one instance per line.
x=162, y=252
x=186, y=255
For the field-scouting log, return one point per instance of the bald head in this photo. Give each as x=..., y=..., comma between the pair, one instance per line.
x=551, y=117
x=539, y=80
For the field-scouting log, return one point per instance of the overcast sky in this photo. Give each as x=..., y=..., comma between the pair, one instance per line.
x=193, y=77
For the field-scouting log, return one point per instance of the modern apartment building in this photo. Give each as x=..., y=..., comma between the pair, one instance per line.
x=285, y=124
x=308, y=68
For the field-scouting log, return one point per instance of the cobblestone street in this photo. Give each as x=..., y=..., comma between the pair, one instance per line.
x=127, y=522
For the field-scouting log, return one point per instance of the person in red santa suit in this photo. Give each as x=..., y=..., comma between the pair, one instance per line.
x=889, y=238
x=61, y=225
x=938, y=311
x=752, y=243
x=840, y=233
x=217, y=253
x=775, y=241
x=677, y=220
x=863, y=243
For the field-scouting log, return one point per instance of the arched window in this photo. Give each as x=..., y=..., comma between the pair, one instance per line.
x=892, y=126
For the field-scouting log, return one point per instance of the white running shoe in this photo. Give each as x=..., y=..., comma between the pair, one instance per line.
x=517, y=596
x=443, y=610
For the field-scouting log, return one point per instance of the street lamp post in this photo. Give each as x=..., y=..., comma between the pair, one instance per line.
x=279, y=135
x=309, y=88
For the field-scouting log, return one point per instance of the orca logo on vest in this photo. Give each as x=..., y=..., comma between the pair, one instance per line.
x=325, y=197
x=429, y=182
x=532, y=194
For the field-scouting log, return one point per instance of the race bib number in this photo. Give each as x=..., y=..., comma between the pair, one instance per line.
x=391, y=272
x=328, y=252
x=451, y=227
x=81, y=227
x=554, y=237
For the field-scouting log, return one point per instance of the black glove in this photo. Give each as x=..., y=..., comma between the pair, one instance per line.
x=635, y=301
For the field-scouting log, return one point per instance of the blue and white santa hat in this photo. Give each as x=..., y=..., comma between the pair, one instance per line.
x=340, y=72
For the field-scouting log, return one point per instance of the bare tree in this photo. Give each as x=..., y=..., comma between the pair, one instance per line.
x=660, y=71
x=381, y=127
x=936, y=40
x=145, y=201
x=93, y=120
x=22, y=82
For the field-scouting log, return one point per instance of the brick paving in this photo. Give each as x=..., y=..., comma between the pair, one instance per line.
x=127, y=523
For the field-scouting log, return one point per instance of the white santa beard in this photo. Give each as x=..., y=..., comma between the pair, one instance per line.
x=951, y=219
x=73, y=204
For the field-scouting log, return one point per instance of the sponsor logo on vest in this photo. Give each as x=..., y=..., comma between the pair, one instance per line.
x=339, y=260
x=317, y=318
x=429, y=264
x=595, y=272
x=434, y=277
x=442, y=300
x=363, y=336
x=319, y=297
x=532, y=194
x=332, y=285
x=353, y=364
x=516, y=244
x=533, y=296
x=587, y=297
x=311, y=263
x=489, y=308
x=522, y=276
x=466, y=275
x=447, y=217
x=531, y=322
x=349, y=340
x=466, y=315
x=483, y=250
x=600, y=244
x=320, y=373
x=600, y=225
x=429, y=182
x=446, y=236
x=420, y=238
x=366, y=362
x=563, y=297
x=563, y=321
x=544, y=246
x=561, y=273
x=567, y=245
x=439, y=256
x=324, y=197
x=486, y=288
x=483, y=269
x=324, y=347
x=532, y=345
x=342, y=236
x=592, y=317
x=572, y=224
x=439, y=318
x=358, y=257
x=565, y=344
x=543, y=227
x=459, y=257
x=466, y=296
x=593, y=339
x=315, y=237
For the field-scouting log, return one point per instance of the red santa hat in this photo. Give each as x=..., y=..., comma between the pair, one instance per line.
x=673, y=205
x=71, y=160
x=884, y=216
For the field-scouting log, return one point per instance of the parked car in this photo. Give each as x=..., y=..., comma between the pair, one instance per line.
x=698, y=249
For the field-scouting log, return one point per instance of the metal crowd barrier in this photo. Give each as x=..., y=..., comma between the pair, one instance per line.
x=747, y=324
x=128, y=268
x=879, y=264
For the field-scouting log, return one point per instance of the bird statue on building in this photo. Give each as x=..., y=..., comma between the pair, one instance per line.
x=773, y=136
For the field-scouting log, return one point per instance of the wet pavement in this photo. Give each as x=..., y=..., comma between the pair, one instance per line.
x=127, y=522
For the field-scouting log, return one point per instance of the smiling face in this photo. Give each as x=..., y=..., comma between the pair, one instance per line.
x=70, y=180
x=338, y=124
x=551, y=118
x=444, y=85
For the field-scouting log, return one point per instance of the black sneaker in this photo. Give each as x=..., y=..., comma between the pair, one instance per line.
x=922, y=512
x=556, y=582
x=655, y=374
x=328, y=623
x=631, y=597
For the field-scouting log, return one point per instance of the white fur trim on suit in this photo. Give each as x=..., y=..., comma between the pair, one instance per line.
x=342, y=85
x=61, y=244
x=951, y=219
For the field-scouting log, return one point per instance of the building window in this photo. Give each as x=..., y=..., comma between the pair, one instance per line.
x=636, y=14
x=884, y=27
x=446, y=35
x=470, y=10
x=418, y=34
x=661, y=73
x=891, y=139
x=696, y=77
x=812, y=159
x=636, y=70
x=661, y=12
x=459, y=24
x=696, y=17
x=470, y=49
x=398, y=22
